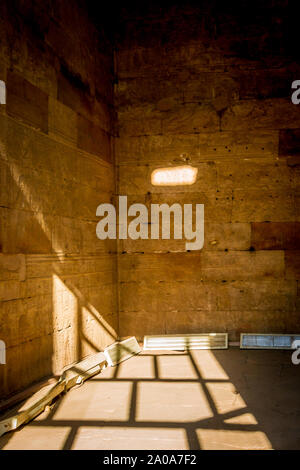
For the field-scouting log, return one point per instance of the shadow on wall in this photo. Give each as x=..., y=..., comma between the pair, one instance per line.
x=194, y=400
x=51, y=316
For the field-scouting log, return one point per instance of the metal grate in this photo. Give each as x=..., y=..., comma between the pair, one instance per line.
x=185, y=342
x=118, y=352
x=267, y=341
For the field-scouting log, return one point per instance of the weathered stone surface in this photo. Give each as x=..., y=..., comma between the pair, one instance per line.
x=182, y=148
x=277, y=113
x=181, y=85
x=58, y=297
x=73, y=92
x=289, y=142
x=30, y=319
x=30, y=361
x=232, y=144
x=103, y=173
x=267, y=295
x=217, y=97
x=263, y=206
x=275, y=235
x=90, y=242
x=217, y=203
x=12, y=267
x=140, y=120
x=217, y=237
x=11, y=290
x=157, y=149
x=27, y=102
x=242, y=265
x=25, y=232
x=227, y=236
x=62, y=121
x=188, y=119
x=142, y=323
x=207, y=265
x=254, y=174
x=145, y=90
x=232, y=322
x=292, y=264
x=93, y=139
x=270, y=83
x=170, y=296
x=160, y=267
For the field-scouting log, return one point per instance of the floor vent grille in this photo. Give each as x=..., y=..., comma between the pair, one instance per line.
x=185, y=342
x=268, y=341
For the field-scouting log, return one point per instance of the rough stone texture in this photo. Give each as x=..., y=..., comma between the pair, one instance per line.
x=58, y=293
x=210, y=84
x=91, y=111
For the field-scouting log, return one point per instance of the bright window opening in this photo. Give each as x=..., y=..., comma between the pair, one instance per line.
x=173, y=176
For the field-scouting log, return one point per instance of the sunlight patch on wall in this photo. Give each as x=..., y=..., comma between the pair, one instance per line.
x=65, y=319
x=174, y=176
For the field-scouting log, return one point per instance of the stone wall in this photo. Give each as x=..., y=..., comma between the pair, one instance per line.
x=57, y=280
x=205, y=83
x=210, y=85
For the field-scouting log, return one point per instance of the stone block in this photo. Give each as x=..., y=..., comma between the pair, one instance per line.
x=263, y=206
x=265, y=295
x=157, y=149
x=25, y=232
x=167, y=296
x=190, y=118
x=289, y=142
x=11, y=290
x=73, y=92
x=62, y=121
x=275, y=235
x=292, y=264
x=160, y=267
x=254, y=174
x=27, y=102
x=93, y=139
x=139, y=121
x=242, y=265
x=276, y=113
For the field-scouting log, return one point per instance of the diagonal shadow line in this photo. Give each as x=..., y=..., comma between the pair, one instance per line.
x=84, y=338
x=133, y=404
x=155, y=379
x=116, y=372
x=83, y=302
x=70, y=438
x=215, y=422
x=156, y=367
x=192, y=437
x=204, y=387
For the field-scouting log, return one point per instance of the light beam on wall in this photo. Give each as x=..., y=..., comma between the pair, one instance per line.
x=173, y=176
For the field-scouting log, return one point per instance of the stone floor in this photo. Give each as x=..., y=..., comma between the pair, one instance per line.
x=229, y=399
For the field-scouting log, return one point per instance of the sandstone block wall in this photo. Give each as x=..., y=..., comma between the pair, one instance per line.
x=209, y=84
x=90, y=113
x=58, y=298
